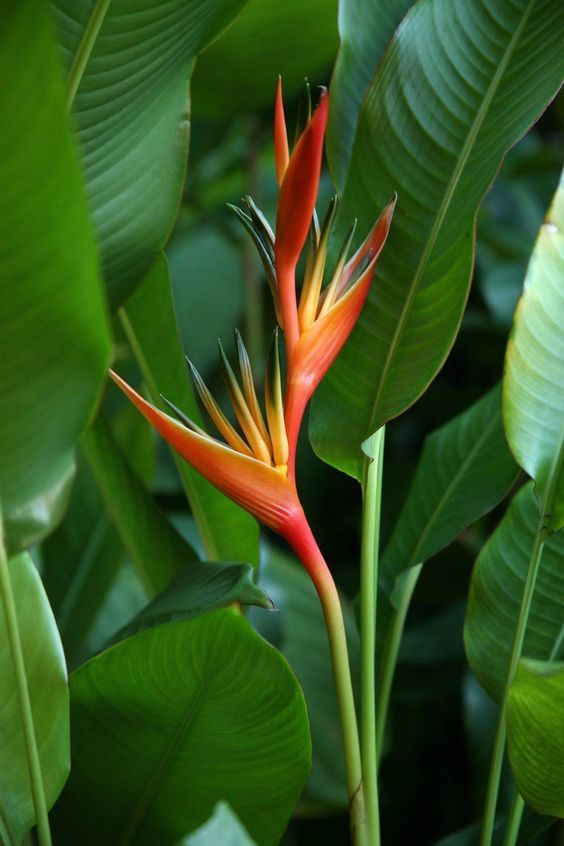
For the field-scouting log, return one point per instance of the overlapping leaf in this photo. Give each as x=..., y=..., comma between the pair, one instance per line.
x=459, y=84
x=176, y=718
x=497, y=588
x=130, y=66
x=533, y=383
x=54, y=342
x=48, y=692
x=464, y=470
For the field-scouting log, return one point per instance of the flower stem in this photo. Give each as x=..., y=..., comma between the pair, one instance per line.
x=26, y=714
x=372, y=492
x=514, y=820
x=306, y=548
x=406, y=585
x=517, y=648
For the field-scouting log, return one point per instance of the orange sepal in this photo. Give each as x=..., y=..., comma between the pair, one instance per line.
x=257, y=487
x=281, y=151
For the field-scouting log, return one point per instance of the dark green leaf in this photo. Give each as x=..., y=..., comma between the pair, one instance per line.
x=534, y=735
x=155, y=547
x=54, y=344
x=132, y=112
x=460, y=84
x=48, y=692
x=176, y=718
x=365, y=30
x=239, y=71
x=196, y=589
x=533, y=383
x=497, y=588
x=299, y=632
x=227, y=532
x=464, y=470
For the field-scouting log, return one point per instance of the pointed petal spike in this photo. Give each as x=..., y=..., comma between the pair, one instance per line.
x=332, y=290
x=313, y=281
x=275, y=405
x=261, y=223
x=218, y=417
x=249, y=389
x=304, y=111
x=187, y=421
x=242, y=411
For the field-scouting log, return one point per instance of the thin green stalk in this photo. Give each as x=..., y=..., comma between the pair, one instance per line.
x=391, y=650
x=85, y=49
x=372, y=491
x=28, y=728
x=517, y=648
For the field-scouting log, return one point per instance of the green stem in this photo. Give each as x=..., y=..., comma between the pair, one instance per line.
x=372, y=493
x=308, y=552
x=514, y=820
x=26, y=714
x=517, y=648
x=85, y=49
x=406, y=585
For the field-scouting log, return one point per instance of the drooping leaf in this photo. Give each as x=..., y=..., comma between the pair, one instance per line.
x=533, y=383
x=365, y=30
x=155, y=547
x=459, y=84
x=534, y=735
x=222, y=827
x=464, y=470
x=497, y=588
x=299, y=632
x=239, y=71
x=130, y=69
x=227, y=532
x=176, y=718
x=197, y=589
x=54, y=344
x=48, y=693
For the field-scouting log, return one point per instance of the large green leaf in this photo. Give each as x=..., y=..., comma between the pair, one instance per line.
x=155, y=547
x=129, y=67
x=172, y=720
x=227, y=532
x=299, y=632
x=54, y=344
x=46, y=680
x=365, y=30
x=464, y=470
x=239, y=71
x=533, y=384
x=460, y=84
x=195, y=590
x=497, y=588
x=535, y=737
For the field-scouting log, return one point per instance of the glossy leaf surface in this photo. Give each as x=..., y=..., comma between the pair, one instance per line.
x=54, y=343
x=239, y=71
x=172, y=720
x=196, y=589
x=464, y=470
x=131, y=111
x=227, y=532
x=534, y=735
x=365, y=30
x=533, y=384
x=460, y=84
x=496, y=590
x=48, y=692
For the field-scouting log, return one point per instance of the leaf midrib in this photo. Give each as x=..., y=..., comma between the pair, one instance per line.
x=443, y=209
x=161, y=770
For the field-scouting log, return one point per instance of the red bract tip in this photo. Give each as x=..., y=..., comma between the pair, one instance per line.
x=281, y=152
